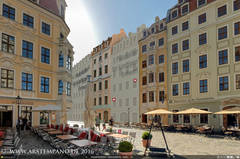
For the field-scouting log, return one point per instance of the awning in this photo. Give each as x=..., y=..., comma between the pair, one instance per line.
x=159, y=112
x=194, y=111
x=234, y=110
x=47, y=108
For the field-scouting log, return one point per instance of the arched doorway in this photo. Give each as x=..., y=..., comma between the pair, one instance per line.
x=230, y=120
x=105, y=116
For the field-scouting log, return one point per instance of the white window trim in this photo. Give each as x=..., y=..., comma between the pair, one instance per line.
x=236, y=21
x=41, y=55
x=227, y=32
x=187, y=58
x=229, y=85
x=236, y=11
x=179, y=92
x=235, y=85
x=218, y=56
x=33, y=55
x=202, y=4
x=32, y=80
x=34, y=23
x=172, y=48
x=14, y=79
x=174, y=11
x=184, y=6
x=203, y=93
x=206, y=38
x=49, y=92
x=179, y=72
x=219, y=7
x=15, y=39
x=234, y=48
x=177, y=30
x=41, y=21
x=188, y=45
x=199, y=62
x=182, y=25
x=186, y=95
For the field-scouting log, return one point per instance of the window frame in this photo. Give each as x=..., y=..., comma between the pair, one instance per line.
x=174, y=94
x=234, y=57
x=187, y=4
x=202, y=18
x=183, y=45
x=206, y=39
x=222, y=85
x=226, y=49
x=161, y=59
x=184, y=67
x=226, y=11
x=8, y=43
x=27, y=49
x=27, y=20
x=44, y=84
x=151, y=95
x=7, y=78
x=202, y=63
x=173, y=48
x=174, y=32
x=27, y=81
x=201, y=4
x=60, y=87
x=184, y=24
x=9, y=11
x=187, y=89
x=222, y=33
x=204, y=90
x=234, y=6
x=45, y=56
x=237, y=83
x=161, y=77
x=177, y=68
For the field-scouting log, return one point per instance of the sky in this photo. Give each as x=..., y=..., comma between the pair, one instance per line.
x=92, y=21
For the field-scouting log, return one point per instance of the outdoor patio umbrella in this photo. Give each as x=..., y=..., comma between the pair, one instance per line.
x=235, y=110
x=193, y=111
x=159, y=112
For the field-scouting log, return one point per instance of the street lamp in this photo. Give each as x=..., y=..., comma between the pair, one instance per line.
x=18, y=101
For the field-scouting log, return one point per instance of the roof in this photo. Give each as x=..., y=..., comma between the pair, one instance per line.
x=50, y=5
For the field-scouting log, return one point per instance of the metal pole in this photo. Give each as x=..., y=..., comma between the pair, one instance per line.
x=19, y=127
x=128, y=117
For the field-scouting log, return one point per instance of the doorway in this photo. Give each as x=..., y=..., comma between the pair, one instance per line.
x=231, y=120
x=6, y=116
x=106, y=116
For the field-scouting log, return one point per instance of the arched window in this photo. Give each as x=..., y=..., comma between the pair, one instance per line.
x=60, y=60
x=60, y=87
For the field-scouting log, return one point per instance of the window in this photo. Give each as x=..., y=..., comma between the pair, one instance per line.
x=27, y=49
x=237, y=28
x=151, y=78
x=174, y=14
x=203, y=39
x=144, y=64
x=95, y=87
x=203, y=86
x=152, y=30
x=175, y=48
x=185, y=26
x=94, y=61
x=185, y=65
x=222, y=33
x=203, y=61
x=100, y=101
x=161, y=96
x=44, y=85
x=60, y=60
x=27, y=81
x=175, y=117
x=95, y=73
x=237, y=54
x=106, y=56
x=69, y=62
x=150, y=59
x=44, y=118
x=106, y=84
x=161, y=59
x=223, y=83
x=152, y=44
x=28, y=20
x=174, y=30
x=8, y=43
x=161, y=26
x=223, y=57
x=236, y=5
x=202, y=18
x=185, y=45
x=144, y=98
x=8, y=12
x=238, y=81
x=45, y=28
x=68, y=89
x=100, y=58
x=106, y=100
x=100, y=71
x=95, y=101
x=106, y=69
x=144, y=80
x=175, y=90
x=186, y=118
x=175, y=68
x=144, y=48
x=100, y=86
x=204, y=117
x=222, y=10
x=161, y=42
x=185, y=9
x=201, y=2
x=7, y=78
x=161, y=77
x=45, y=55
x=60, y=87
x=144, y=34
x=151, y=96
x=186, y=88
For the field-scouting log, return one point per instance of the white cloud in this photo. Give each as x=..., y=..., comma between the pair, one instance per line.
x=83, y=37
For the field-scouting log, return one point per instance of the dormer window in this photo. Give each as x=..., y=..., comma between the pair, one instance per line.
x=201, y=3
x=180, y=1
x=185, y=9
x=174, y=14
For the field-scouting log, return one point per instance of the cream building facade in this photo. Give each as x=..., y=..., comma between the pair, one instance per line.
x=125, y=77
x=203, y=60
x=35, y=61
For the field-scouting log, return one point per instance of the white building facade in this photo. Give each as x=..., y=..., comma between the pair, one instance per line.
x=80, y=80
x=125, y=74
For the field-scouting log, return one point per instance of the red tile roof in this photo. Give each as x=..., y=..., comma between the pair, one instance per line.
x=50, y=5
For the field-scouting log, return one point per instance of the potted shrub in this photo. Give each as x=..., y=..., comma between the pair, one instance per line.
x=125, y=149
x=146, y=138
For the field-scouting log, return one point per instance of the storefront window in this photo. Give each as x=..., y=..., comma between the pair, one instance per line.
x=26, y=113
x=44, y=118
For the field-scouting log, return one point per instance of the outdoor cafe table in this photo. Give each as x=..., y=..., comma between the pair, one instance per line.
x=57, y=132
x=82, y=143
x=121, y=136
x=48, y=130
x=67, y=137
x=234, y=130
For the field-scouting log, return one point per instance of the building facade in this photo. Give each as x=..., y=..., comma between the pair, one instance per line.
x=36, y=60
x=153, y=69
x=125, y=77
x=203, y=60
x=80, y=81
x=101, y=77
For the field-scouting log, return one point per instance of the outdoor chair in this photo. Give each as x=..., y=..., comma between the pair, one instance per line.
x=125, y=133
x=119, y=131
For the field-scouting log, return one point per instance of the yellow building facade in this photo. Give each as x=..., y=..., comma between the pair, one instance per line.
x=153, y=69
x=35, y=62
